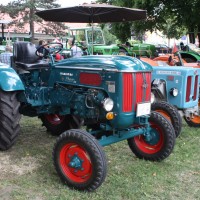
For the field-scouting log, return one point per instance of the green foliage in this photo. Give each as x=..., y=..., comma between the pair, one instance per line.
x=121, y=31
x=109, y=37
x=172, y=17
x=23, y=12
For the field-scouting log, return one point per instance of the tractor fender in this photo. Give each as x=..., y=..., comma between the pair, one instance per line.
x=9, y=80
x=158, y=88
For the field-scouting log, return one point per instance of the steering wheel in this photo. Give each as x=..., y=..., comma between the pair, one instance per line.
x=55, y=47
x=49, y=49
x=42, y=51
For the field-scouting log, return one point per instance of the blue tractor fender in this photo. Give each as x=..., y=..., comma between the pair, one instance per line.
x=9, y=80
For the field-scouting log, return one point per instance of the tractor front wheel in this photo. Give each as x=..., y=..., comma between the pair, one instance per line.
x=57, y=124
x=170, y=113
x=79, y=160
x=193, y=121
x=9, y=119
x=159, y=144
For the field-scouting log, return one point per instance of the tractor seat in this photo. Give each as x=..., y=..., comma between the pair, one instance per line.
x=24, y=56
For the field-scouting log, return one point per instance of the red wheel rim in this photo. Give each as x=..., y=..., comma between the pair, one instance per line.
x=75, y=175
x=146, y=147
x=196, y=118
x=55, y=119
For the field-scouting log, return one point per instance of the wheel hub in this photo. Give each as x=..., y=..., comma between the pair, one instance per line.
x=153, y=137
x=75, y=162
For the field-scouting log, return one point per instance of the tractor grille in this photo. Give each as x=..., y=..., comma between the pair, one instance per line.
x=136, y=89
x=195, y=87
x=189, y=91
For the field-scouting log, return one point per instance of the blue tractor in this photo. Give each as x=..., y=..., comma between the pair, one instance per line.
x=178, y=86
x=108, y=95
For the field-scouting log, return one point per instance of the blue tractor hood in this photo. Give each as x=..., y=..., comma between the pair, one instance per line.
x=107, y=63
x=9, y=80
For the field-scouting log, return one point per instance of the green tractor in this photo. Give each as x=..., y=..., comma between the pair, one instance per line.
x=190, y=53
x=138, y=50
x=91, y=39
x=92, y=42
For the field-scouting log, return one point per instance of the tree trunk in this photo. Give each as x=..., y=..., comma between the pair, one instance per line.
x=31, y=17
x=198, y=34
x=191, y=36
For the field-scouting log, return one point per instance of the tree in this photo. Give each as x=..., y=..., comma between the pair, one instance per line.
x=186, y=13
x=121, y=30
x=23, y=12
x=108, y=36
x=172, y=17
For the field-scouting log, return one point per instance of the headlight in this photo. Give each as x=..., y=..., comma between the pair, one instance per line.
x=174, y=92
x=108, y=104
x=152, y=97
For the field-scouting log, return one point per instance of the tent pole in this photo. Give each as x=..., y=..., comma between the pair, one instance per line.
x=92, y=37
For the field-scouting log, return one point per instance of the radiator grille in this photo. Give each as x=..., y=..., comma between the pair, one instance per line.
x=136, y=89
x=195, y=87
x=188, y=89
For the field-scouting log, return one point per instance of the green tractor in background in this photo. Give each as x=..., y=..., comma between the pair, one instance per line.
x=190, y=53
x=138, y=49
x=92, y=42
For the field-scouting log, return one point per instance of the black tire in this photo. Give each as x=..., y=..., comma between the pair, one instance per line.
x=9, y=119
x=170, y=113
x=77, y=147
x=161, y=142
x=195, y=120
x=57, y=124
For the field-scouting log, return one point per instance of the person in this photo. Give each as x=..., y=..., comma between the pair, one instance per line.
x=42, y=49
x=181, y=46
x=76, y=51
x=5, y=57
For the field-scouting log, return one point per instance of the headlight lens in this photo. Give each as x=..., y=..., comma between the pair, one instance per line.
x=108, y=104
x=152, y=97
x=174, y=92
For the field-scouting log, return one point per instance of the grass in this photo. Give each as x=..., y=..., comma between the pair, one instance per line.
x=27, y=172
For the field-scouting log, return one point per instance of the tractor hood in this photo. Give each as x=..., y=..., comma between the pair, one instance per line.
x=107, y=63
x=105, y=50
x=9, y=80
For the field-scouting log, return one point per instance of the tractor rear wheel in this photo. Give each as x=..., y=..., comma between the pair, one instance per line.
x=79, y=160
x=9, y=119
x=160, y=142
x=170, y=113
x=57, y=124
